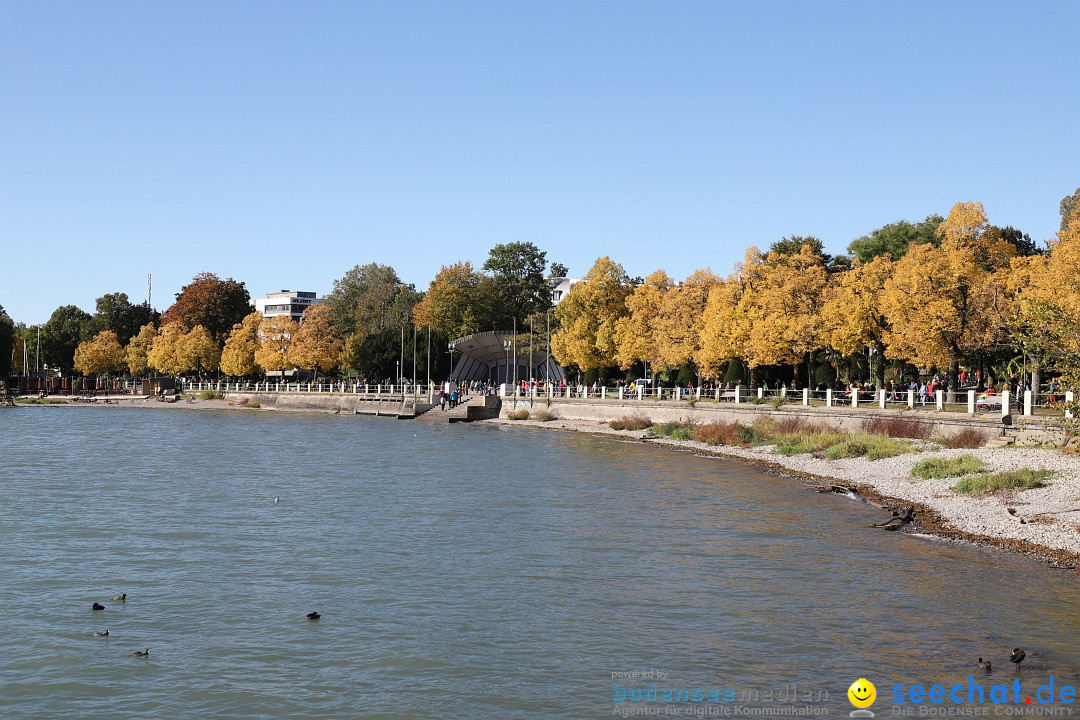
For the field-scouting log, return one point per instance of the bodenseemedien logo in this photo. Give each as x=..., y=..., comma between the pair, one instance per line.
x=862, y=694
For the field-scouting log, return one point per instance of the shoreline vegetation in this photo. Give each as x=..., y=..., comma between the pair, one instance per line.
x=1018, y=499
x=1025, y=499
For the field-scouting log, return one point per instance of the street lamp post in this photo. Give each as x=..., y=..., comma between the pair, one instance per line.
x=506, y=361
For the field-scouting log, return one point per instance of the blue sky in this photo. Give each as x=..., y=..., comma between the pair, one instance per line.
x=283, y=143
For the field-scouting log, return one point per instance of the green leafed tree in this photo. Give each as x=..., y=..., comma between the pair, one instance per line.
x=894, y=239
x=371, y=298
x=61, y=335
x=7, y=342
x=518, y=272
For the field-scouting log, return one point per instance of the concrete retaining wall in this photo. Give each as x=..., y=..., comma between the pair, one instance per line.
x=343, y=403
x=849, y=419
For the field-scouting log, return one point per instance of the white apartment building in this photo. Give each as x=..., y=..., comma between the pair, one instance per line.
x=287, y=302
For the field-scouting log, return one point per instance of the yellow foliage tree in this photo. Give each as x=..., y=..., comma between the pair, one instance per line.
x=588, y=316
x=782, y=305
x=317, y=344
x=450, y=304
x=238, y=357
x=138, y=348
x=197, y=351
x=967, y=237
x=678, y=324
x=852, y=317
x=720, y=339
x=937, y=308
x=635, y=336
x=101, y=356
x=275, y=337
x=163, y=355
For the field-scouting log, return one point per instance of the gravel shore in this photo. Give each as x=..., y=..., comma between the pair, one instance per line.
x=1051, y=527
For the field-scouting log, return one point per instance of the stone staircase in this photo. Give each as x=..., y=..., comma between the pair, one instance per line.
x=476, y=407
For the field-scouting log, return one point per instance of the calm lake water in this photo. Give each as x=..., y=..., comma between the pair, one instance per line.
x=463, y=572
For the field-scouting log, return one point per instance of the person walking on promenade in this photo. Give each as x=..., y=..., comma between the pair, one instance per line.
x=442, y=400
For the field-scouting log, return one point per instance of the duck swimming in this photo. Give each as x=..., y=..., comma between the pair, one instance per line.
x=141, y=653
x=1017, y=657
x=984, y=665
x=102, y=634
x=313, y=616
x=120, y=598
x=97, y=606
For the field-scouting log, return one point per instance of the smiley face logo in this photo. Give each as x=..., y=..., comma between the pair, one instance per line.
x=862, y=693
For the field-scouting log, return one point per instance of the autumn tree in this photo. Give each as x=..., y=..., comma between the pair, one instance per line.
x=371, y=298
x=588, y=316
x=852, y=317
x=275, y=336
x=238, y=357
x=197, y=351
x=104, y=355
x=679, y=322
x=636, y=339
x=317, y=344
x=460, y=301
x=784, y=306
x=138, y=350
x=61, y=335
x=213, y=303
x=723, y=330
x=164, y=355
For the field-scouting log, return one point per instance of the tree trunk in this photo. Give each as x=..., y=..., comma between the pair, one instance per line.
x=879, y=350
x=1036, y=378
x=954, y=372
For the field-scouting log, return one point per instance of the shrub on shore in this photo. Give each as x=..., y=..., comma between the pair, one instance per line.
x=631, y=422
x=897, y=427
x=933, y=468
x=544, y=416
x=968, y=438
x=517, y=415
x=1024, y=479
x=722, y=433
x=210, y=395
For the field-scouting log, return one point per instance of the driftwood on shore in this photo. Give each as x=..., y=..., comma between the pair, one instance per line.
x=899, y=517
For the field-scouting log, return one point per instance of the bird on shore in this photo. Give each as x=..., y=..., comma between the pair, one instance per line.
x=122, y=597
x=984, y=665
x=141, y=653
x=102, y=634
x=1017, y=657
x=313, y=616
x=97, y=606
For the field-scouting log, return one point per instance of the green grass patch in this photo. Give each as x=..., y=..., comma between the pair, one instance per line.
x=40, y=401
x=1025, y=479
x=210, y=395
x=933, y=468
x=872, y=447
x=806, y=442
